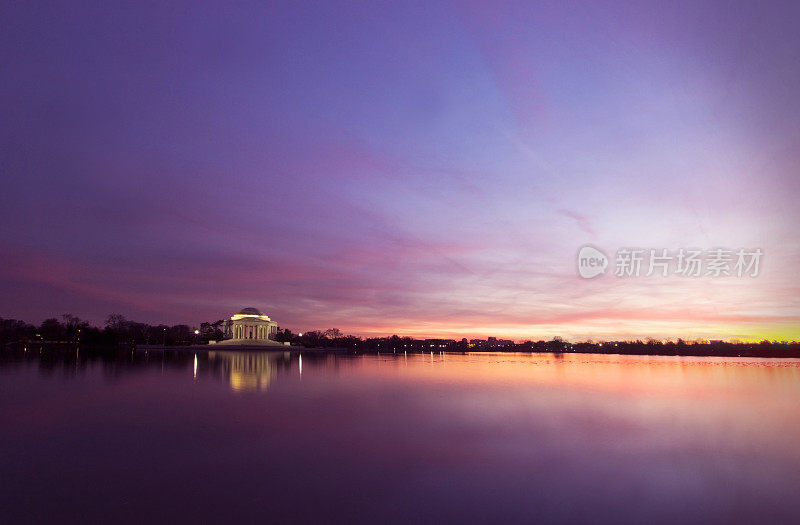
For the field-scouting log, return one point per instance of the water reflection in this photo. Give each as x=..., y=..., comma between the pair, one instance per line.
x=304, y=436
x=242, y=371
x=256, y=371
x=247, y=371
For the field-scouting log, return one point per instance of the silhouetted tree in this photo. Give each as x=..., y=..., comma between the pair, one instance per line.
x=332, y=333
x=115, y=322
x=283, y=336
x=51, y=330
x=556, y=345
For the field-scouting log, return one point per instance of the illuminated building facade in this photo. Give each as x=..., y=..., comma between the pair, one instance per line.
x=250, y=324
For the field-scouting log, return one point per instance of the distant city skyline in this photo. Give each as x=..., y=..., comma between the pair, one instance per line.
x=428, y=170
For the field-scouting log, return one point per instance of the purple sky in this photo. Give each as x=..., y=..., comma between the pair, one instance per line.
x=422, y=169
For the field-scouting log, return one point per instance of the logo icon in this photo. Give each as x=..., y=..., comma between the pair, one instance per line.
x=591, y=262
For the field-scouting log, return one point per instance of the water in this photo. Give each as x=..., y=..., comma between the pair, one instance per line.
x=250, y=437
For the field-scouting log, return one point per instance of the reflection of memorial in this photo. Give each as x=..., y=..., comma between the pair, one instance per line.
x=247, y=371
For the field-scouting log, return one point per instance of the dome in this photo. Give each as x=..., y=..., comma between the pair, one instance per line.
x=249, y=311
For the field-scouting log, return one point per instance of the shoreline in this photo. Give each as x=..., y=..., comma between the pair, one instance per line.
x=725, y=351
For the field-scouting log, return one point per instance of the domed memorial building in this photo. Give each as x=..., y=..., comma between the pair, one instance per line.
x=249, y=323
x=252, y=328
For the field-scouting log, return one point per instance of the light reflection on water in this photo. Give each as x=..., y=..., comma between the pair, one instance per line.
x=452, y=437
x=246, y=371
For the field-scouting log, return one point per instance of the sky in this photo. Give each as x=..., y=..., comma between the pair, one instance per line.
x=422, y=168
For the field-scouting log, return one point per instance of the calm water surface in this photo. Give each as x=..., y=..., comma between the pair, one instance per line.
x=249, y=437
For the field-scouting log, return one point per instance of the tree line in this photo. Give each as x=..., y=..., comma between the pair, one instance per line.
x=119, y=331
x=116, y=331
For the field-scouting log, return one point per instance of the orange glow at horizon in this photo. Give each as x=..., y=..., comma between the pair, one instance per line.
x=599, y=332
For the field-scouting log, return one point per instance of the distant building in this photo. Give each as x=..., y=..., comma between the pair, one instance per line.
x=438, y=343
x=252, y=328
x=249, y=323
